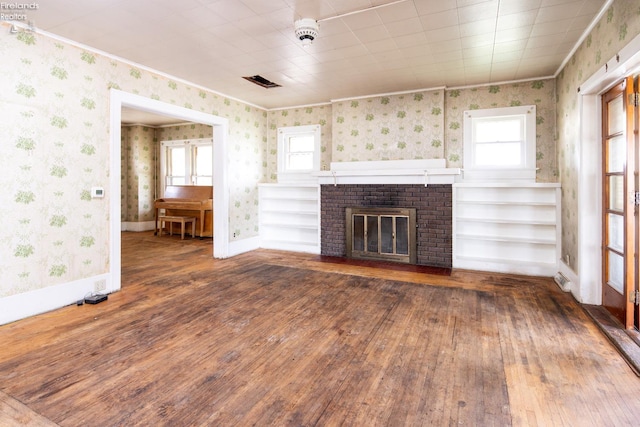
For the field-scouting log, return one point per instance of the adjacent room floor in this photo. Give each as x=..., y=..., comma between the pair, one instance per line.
x=278, y=338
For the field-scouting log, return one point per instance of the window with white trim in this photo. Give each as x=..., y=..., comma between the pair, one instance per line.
x=298, y=152
x=186, y=162
x=500, y=143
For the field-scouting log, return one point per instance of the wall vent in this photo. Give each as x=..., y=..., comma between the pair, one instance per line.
x=563, y=282
x=261, y=81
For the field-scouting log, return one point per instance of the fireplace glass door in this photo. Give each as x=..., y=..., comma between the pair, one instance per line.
x=381, y=233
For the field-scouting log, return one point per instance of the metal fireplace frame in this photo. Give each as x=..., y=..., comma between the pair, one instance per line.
x=379, y=212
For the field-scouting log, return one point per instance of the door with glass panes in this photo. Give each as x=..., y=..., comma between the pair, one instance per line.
x=620, y=196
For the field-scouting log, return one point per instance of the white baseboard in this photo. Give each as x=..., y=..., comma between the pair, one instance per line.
x=528, y=269
x=27, y=304
x=244, y=245
x=292, y=247
x=138, y=226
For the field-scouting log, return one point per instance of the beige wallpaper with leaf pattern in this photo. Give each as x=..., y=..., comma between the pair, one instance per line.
x=419, y=125
x=54, y=104
x=392, y=127
x=540, y=93
x=300, y=116
x=619, y=25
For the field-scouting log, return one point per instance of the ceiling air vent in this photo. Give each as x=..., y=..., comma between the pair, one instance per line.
x=261, y=81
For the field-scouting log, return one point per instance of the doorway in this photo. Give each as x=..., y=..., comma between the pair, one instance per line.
x=620, y=201
x=220, y=126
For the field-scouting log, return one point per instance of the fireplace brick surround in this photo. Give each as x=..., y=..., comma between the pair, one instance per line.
x=434, y=216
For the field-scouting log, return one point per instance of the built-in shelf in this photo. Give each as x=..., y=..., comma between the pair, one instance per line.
x=290, y=217
x=507, y=227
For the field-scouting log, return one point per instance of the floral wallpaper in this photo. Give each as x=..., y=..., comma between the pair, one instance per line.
x=394, y=127
x=540, y=93
x=139, y=173
x=183, y=131
x=301, y=116
x=420, y=125
x=54, y=100
x=619, y=25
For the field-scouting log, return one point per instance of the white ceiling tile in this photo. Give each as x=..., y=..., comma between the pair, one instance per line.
x=443, y=34
x=446, y=46
x=513, y=34
x=413, y=42
x=383, y=45
x=478, y=27
x=398, y=12
x=509, y=7
x=477, y=41
x=510, y=46
x=479, y=11
x=516, y=20
x=558, y=12
x=372, y=34
x=439, y=20
x=362, y=20
x=403, y=28
x=551, y=28
x=261, y=7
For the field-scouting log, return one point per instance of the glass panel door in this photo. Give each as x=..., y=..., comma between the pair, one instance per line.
x=618, y=184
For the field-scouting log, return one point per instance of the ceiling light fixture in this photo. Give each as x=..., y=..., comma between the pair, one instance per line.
x=306, y=30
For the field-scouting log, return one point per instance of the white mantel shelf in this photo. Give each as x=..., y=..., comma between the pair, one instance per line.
x=425, y=172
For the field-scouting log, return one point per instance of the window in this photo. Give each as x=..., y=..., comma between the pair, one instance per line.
x=187, y=162
x=500, y=143
x=298, y=152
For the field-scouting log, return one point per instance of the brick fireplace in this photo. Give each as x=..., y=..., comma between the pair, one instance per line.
x=434, y=219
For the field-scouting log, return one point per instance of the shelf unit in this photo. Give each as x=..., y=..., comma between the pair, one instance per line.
x=290, y=217
x=507, y=227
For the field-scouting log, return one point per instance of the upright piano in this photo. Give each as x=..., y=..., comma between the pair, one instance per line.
x=188, y=200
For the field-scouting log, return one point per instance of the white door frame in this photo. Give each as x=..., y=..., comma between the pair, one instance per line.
x=220, y=125
x=627, y=61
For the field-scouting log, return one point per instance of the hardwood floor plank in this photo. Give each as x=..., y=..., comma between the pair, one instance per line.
x=279, y=338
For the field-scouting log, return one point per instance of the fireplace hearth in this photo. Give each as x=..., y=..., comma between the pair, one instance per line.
x=433, y=212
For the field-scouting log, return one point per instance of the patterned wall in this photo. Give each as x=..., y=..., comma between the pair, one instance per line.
x=184, y=131
x=421, y=125
x=394, y=127
x=139, y=172
x=54, y=101
x=616, y=29
x=302, y=116
x=540, y=93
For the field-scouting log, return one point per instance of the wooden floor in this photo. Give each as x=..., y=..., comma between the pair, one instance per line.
x=277, y=338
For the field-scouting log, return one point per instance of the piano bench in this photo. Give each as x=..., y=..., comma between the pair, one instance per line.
x=183, y=220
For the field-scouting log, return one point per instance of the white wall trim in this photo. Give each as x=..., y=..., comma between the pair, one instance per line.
x=138, y=226
x=23, y=305
x=245, y=245
x=588, y=287
x=220, y=165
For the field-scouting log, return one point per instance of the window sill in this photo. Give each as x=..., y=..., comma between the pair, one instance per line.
x=518, y=175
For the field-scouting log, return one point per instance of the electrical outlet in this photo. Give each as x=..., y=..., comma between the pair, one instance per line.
x=234, y=234
x=100, y=285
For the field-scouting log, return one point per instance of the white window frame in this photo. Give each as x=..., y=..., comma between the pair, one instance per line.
x=525, y=170
x=284, y=133
x=190, y=161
